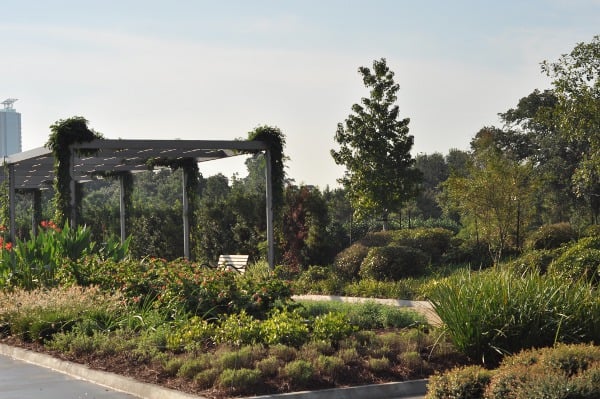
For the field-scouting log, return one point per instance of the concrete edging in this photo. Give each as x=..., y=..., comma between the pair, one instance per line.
x=376, y=391
x=150, y=391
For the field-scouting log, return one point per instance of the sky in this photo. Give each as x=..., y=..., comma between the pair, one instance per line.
x=215, y=70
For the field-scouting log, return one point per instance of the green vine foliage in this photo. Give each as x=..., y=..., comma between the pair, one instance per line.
x=64, y=133
x=275, y=139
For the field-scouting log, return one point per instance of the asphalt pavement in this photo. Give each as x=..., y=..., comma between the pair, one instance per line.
x=22, y=380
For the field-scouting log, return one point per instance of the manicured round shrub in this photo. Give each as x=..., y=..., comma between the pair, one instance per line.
x=579, y=260
x=476, y=253
x=393, y=263
x=377, y=239
x=533, y=261
x=347, y=263
x=433, y=241
x=551, y=236
x=466, y=383
x=564, y=371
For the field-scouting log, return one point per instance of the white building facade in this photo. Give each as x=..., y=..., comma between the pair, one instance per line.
x=10, y=129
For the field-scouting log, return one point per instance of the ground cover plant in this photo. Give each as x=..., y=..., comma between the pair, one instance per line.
x=216, y=332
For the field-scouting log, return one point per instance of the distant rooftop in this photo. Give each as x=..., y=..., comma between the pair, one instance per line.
x=8, y=104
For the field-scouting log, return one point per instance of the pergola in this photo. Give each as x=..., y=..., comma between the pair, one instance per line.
x=33, y=170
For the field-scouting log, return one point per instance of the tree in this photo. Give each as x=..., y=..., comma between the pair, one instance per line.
x=493, y=199
x=375, y=149
x=435, y=171
x=576, y=80
x=537, y=138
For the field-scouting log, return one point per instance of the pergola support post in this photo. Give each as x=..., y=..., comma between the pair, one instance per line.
x=11, y=202
x=73, y=203
x=36, y=215
x=269, y=201
x=122, y=210
x=185, y=215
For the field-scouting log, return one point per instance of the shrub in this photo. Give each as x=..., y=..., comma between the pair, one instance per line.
x=242, y=358
x=330, y=366
x=206, y=378
x=461, y=383
x=533, y=261
x=490, y=313
x=283, y=352
x=379, y=365
x=300, y=372
x=269, y=366
x=331, y=327
x=551, y=236
x=318, y=280
x=239, y=380
x=475, y=253
x=393, y=263
x=347, y=263
x=377, y=239
x=579, y=260
x=564, y=371
x=238, y=329
x=190, y=367
x=432, y=241
x=406, y=288
x=189, y=333
x=285, y=327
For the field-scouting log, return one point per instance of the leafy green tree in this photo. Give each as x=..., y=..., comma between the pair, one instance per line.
x=375, y=149
x=537, y=138
x=576, y=81
x=435, y=171
x=493, y=199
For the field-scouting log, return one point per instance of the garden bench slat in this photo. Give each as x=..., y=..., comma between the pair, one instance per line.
x=234, y=262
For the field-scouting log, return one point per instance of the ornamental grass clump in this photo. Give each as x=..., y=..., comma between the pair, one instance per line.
x=493, y=313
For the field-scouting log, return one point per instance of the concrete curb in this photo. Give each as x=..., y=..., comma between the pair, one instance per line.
x=423, y=307
x=149, y=391
x=113, y=381
x=379, y=391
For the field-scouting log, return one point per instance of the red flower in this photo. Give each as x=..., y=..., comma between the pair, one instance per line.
x=8, y=246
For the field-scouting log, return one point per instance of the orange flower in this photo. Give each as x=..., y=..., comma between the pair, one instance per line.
x=8, y=246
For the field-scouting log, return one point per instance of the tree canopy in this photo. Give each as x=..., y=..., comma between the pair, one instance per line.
x=375, y=148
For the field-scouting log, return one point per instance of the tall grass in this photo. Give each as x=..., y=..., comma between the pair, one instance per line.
x=491, y=313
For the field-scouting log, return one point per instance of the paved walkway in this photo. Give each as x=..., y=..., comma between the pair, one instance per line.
x=22, y=380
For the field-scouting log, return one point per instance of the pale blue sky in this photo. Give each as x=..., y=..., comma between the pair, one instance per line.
x=217, y=69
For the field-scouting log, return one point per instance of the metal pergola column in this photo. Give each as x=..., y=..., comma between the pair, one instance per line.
x=269, y=210
x=186, y=217
x=122, y=210
x=11, y=202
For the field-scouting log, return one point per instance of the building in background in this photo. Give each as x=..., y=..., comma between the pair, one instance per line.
x=10, y=129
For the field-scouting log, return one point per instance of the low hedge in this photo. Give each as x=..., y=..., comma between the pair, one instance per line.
x=565, y=371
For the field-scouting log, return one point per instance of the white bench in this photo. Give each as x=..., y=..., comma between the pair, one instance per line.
x=233, y=262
